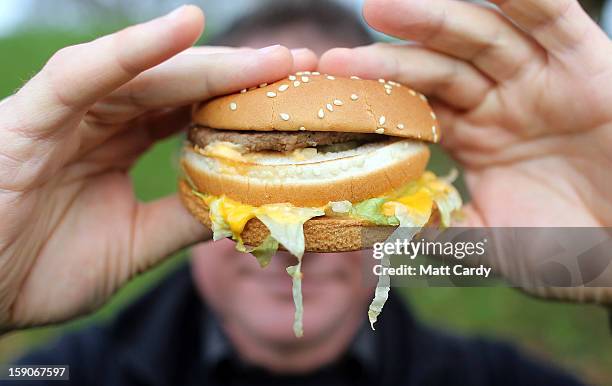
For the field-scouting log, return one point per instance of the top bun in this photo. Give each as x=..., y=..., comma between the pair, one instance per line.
x=314, y=102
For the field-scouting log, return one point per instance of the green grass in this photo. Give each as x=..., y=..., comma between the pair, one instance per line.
x=574, y=336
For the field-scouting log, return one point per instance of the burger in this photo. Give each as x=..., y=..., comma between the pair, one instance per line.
x=315, y=163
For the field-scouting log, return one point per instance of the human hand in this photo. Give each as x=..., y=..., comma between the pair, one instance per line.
x=72, y=231
x=524, y=96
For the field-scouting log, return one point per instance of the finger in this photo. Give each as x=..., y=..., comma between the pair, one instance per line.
x=558, y=25
x=76, y=76
x=152, y=240
x=123, y=147
x=304, y=59
x=191, y=78
x=470, y=32
x=453, y=81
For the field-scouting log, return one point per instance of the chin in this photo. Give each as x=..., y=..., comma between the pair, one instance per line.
x=259, y=302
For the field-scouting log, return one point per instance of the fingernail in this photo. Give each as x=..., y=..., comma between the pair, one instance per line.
x=268, y=49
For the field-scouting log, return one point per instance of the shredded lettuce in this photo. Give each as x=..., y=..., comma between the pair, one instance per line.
x=286, y=224
x=295, y=271
x=409, y=207
x=381, y=294
x=220, y=227
x=448, y=203
x=263, y=252
x=371, y=210
x=340, y=206
x=384, y=281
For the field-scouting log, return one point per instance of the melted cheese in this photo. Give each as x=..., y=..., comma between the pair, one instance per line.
x=224, y=150
x=417, y=200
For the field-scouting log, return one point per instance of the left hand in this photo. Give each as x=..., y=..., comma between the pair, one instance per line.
x=71, y=230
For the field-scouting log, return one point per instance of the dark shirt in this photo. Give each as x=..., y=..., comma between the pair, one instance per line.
x=169, y=337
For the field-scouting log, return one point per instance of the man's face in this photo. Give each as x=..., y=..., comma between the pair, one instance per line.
x=258, y=301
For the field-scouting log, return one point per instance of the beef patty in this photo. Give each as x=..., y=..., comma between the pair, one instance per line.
x=282, y=141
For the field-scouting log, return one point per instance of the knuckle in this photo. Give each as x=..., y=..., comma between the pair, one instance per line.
x=56, y=72
x=121, y=56
x=63, y=55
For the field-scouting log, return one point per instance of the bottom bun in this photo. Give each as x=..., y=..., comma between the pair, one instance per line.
x=321, y=234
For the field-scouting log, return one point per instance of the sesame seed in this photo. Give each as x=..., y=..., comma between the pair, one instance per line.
x=296, y=83
x=382, y=120
x=321, y=113
x=302, y=128
x=354, y=97
x=306, y=72
x=380, y=130
x=270, y=94
x=355, y=77
x=381, y=80
x=292, y=77
x=433, y=115
x=305, y=79
x=411, y=91
x=284, y=116
x=263, y=85
x=233, y=106
x=243, y=90
x=283, y=87
x=330, y=77
x=388, y=91
x=423, y=97
x=394, y=83
x=316, y=73
x=435, y=134
x=338, y=102
x=329, y=107
x=400, y=126
x=388, y=86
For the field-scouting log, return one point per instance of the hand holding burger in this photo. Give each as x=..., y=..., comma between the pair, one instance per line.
x=523, y=95
x=72, y=231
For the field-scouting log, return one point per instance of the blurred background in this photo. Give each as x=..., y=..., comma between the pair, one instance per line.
x=573, y=336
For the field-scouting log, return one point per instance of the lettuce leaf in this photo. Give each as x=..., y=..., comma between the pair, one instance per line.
x=371, y=210
x=447, y=204
x=295, y=271
x=381, y=294
x=384, y=281
x=263, y=252
x=220, y=227
x=286, y=224
x=340, y=206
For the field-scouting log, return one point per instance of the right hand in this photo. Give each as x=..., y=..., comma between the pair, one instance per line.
x=524, y=94
x=72, y=231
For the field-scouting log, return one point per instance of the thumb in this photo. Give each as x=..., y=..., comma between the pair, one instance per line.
x=77, y=76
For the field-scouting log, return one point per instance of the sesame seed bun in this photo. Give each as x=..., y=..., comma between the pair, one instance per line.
x=318, y=102
x=355, y=175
